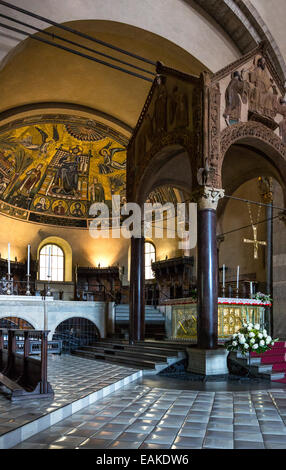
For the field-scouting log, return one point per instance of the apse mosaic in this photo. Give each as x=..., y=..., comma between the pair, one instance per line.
x=52, y=170
x=59, y=169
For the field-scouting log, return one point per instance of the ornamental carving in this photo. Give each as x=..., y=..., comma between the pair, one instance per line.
x=169, y=117
x=250, y=129
x=235, y=94
x=208, y=197
x=263, y=92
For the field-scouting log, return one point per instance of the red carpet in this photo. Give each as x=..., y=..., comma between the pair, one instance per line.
x=277, y=357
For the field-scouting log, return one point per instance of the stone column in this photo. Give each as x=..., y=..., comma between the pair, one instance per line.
x=219, y=240
x=207, y=358
x=207, y=268
x=137, y=291
x=265, y=185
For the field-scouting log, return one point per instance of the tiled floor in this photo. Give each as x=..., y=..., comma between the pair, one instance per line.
x=72, y=378
x=138, y=416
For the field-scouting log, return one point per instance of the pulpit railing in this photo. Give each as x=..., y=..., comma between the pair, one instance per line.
x=25, y=376
x=54, y=346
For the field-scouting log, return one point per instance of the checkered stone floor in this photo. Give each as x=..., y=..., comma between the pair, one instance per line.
x=137, y=416
x=76, y=381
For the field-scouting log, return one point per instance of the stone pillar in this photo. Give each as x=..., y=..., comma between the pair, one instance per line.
x=265, y=185
x=207, y=358
x=137, y=291
x=219, y=240
x=207, y=268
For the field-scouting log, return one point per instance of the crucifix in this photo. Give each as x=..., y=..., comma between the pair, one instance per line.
x=255, y=242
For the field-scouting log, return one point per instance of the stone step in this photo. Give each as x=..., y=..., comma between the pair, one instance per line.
x=127, y=361
x=261, y=368
x=126, y=353
x=161, y=351
x=164, y=344
x=252, y=360
x=273, y=375
x=149, y=356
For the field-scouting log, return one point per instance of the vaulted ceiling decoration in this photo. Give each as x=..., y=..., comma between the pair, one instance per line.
x=53, y=168
x=51, y=171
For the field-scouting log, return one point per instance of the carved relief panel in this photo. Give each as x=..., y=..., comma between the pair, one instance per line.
x=169, y=117
x=251, y=91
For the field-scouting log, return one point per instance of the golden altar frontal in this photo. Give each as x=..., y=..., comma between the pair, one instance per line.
x=232, y=313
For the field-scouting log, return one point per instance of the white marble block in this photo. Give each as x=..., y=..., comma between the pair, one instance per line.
x=207, y=361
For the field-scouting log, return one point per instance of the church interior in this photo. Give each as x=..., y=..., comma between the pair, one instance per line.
x=109, y=341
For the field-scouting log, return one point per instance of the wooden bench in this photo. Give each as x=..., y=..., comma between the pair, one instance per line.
x=24, y=376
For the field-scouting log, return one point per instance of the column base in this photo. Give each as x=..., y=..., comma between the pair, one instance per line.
x=207, y=361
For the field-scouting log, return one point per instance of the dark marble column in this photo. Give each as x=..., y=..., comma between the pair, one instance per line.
x=269, y=265
x=207, y=269
x=265, y=185
x=137, y=291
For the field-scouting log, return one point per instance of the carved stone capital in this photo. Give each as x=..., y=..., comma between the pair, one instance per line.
x=207, y=197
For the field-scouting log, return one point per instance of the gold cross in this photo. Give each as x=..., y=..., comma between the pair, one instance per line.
x=255, y=242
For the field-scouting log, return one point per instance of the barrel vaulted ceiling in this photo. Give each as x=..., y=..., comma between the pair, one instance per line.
x=67, y=120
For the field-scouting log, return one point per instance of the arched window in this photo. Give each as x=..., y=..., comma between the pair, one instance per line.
x=150, y=257
x=56, y=255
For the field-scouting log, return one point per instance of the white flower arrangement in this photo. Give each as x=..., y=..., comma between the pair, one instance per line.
x=263, y=297
x=250, y=338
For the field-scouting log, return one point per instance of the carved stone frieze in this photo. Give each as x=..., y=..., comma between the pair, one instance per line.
x=250, y=129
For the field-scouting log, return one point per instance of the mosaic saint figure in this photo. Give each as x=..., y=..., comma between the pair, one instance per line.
x=33, y=176
x=66, y=178
x=59, y=208
x=77, y=211
x=96, y=191
x=109, y=163
x=41, y=205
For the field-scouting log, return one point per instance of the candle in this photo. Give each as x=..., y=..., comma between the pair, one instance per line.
x=28, y=260
x=49, y=263
x=9, y=267
x=237, y=278
x=251, y=287
x=223, y=275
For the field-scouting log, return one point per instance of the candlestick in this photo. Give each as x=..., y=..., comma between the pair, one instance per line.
x=223, y=276
x=9, y=267
x=9, y=291
x=28, y=292
x=28, y=261
x=49, y=263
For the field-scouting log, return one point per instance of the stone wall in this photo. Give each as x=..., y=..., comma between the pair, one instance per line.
x=35, y=310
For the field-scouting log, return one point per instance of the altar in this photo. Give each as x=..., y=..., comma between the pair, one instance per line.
x=181, y=316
